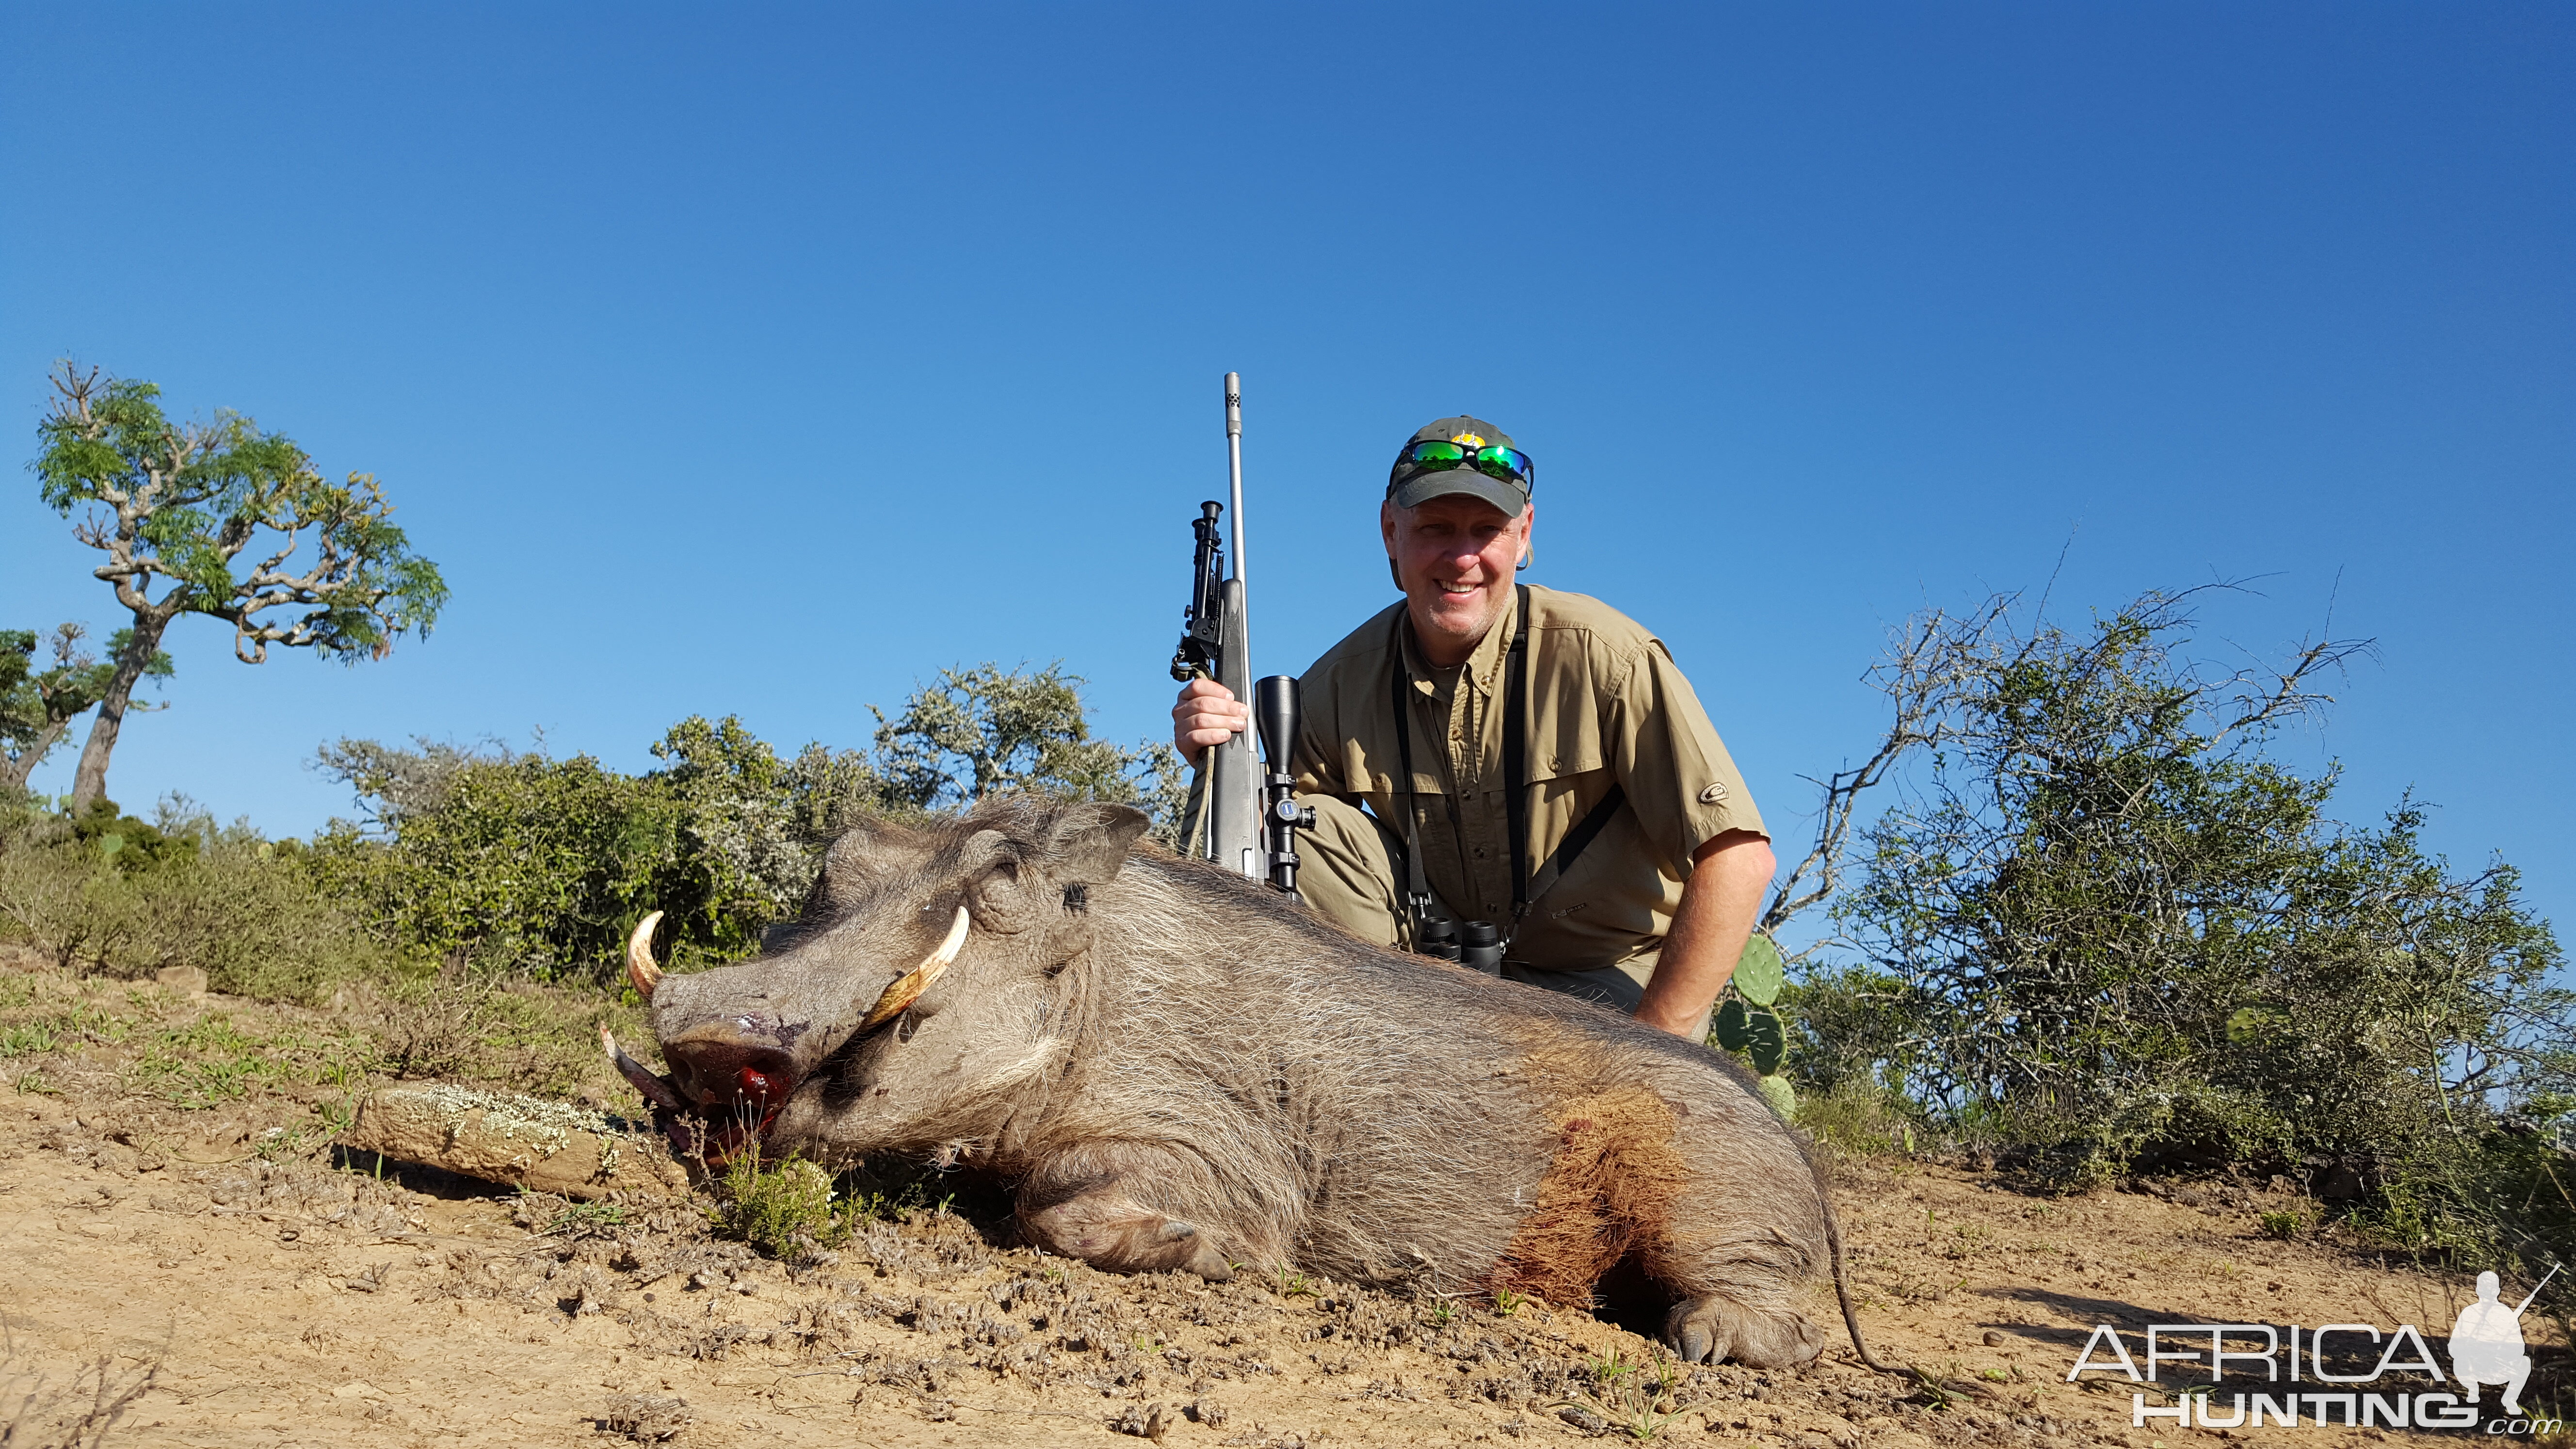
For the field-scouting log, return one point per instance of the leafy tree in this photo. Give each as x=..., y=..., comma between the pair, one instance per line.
x=983, y=731
x=2104, y=923
x=544, y=864
x=392, y=782
x=175, y=506
x=37, y=706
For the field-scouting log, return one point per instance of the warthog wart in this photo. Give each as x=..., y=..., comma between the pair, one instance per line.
x=1176, y=1069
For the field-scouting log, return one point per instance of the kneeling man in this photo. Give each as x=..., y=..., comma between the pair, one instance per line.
x=1513, y=755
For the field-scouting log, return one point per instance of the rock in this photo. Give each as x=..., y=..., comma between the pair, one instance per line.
x=523, y=1141
x=1994, y=1339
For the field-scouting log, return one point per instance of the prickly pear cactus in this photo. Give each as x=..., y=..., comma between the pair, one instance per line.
x=1759, y=972
x=1734, y=1026
x=1746, y=1023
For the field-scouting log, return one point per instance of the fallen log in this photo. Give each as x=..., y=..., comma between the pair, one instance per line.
x=522, y=1141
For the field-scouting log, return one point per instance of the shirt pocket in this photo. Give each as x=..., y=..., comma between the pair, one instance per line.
x=1565, y=743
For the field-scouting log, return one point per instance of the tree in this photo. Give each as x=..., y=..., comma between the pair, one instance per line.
x=2105, y=924
x=174, y=506
x=981, y=731
x=544, y=864
x=37, y=707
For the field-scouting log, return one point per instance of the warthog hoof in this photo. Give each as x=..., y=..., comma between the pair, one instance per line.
x=1108, y=1231
x=1708, y=1329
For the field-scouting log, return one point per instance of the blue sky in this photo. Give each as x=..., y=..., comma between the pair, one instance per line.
x=766, y=359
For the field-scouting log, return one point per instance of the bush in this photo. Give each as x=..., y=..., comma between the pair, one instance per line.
x=127, y=897
x=783, y=1208
x=2107, y=929
x=540, y=866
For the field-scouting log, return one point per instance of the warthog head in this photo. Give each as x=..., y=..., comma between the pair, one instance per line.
x=914, y=987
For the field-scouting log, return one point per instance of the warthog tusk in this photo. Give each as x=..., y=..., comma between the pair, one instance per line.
x=908, y=987
x=639, y=957
x=639, y=1076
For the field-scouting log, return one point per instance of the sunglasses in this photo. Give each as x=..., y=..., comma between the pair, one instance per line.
x=1434, y=456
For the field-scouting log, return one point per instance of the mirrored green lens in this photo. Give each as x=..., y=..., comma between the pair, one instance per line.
x=1436, y=453
x=1503, y=463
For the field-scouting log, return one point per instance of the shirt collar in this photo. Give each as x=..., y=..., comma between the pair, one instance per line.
x=1484, y=666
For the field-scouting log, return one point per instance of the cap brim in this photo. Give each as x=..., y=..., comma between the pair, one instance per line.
x=1421, y=489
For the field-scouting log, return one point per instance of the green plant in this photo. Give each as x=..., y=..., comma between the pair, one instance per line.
x=175, y=505
x=1624, y=1394
x=584, y=1219
x=178, y=891
x=2108, y=928
x=1292, y=1285
x=540, y=866
x=1442, y=1313
x=2283, y=1226
x=1507, y=1303
x=38, y=706
x=781, y=1208
x=28, y=1040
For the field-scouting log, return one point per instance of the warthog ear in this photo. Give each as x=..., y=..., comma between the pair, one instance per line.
x=1012, y=878
x=1089, y=842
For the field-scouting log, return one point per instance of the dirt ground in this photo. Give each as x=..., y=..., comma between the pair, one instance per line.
x=185, y=1260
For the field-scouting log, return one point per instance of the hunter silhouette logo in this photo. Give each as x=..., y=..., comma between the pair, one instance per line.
x=2486, y=1347
x=2486, y=1342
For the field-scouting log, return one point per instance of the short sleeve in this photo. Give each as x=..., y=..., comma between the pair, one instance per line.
x=1667, y=757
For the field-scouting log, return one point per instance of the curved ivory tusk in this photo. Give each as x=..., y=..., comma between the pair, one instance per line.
x=639, y=1076
x=639, y=957
x=908, y=987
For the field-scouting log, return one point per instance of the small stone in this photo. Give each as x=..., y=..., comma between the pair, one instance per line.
x=1994, y=1339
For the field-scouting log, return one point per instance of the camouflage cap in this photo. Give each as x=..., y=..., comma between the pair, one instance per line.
x=1407, y=487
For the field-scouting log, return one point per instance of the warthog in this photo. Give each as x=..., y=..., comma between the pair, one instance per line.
x=1178, y=1069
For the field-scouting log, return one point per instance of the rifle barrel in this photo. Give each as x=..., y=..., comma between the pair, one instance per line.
x=2536, y=1287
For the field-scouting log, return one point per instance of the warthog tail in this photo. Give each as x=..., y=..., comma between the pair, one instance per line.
x=1851, y=1320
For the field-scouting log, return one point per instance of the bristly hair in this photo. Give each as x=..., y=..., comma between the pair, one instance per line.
x=1077, y=897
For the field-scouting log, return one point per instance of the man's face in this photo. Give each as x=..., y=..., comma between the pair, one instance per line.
x=1454, y=559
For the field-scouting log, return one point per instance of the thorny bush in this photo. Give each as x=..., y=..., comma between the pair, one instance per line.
x=2106, y=928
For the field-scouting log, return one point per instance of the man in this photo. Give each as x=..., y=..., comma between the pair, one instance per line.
x=1643, y=859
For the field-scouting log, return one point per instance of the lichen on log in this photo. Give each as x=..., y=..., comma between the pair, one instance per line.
x=522, y=1141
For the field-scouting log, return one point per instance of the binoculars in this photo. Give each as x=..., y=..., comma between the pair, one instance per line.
x=1477, y=945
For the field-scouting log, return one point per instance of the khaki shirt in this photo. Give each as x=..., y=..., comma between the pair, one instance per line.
x=1607, y=705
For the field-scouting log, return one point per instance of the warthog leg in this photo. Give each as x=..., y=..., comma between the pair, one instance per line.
x=1709, y=1328
x=1087, y=1213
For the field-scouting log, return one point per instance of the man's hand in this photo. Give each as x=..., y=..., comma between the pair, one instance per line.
x=1727, y=880
x=1209, y=714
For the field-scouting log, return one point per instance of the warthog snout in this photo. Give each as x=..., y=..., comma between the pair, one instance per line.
x=732, y=1079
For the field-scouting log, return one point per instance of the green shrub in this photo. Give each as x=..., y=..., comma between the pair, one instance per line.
x=540, y=866
x=781, y=1208
x=126, y=898
x=2107, y=930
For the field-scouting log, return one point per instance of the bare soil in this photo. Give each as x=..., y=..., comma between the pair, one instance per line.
x=177, y=1231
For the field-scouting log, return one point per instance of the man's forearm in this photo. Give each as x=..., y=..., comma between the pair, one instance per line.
x=1716, y=917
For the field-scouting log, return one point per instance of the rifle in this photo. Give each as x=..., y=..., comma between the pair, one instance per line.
x=2535, y=1289
x=1250, y=821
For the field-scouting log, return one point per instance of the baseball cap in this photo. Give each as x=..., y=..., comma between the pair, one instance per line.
x=1409, y=485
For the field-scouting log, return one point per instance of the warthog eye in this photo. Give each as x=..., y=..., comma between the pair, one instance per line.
x=1077, y=897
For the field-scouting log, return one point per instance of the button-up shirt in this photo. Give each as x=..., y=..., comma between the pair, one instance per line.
x=1607, y=706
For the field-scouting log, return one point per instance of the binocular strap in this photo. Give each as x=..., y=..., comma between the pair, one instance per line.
x=1527, y=889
